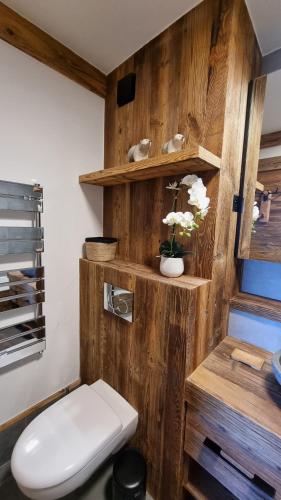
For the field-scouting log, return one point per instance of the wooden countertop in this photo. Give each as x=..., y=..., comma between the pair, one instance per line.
x=254, y=394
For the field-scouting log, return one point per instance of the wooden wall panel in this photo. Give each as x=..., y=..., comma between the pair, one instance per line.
x=266, y=241
x=190, y=79
x=147, y=361
x=271, y=139
x=181, y=87
x=243, y=65
x=193, y=78
x=251, y=165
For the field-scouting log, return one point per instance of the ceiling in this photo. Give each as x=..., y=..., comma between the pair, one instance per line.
x=104, y=32
x=266, y=18
x=107, y=32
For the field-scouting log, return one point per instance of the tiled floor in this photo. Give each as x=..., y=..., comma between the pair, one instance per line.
x=97, y=488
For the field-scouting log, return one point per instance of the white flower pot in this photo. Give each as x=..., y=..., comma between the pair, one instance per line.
x=171, y=266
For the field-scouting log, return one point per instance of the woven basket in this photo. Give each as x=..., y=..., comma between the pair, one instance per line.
x=100, y=251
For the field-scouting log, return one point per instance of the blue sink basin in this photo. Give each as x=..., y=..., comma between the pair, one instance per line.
x=276, y=365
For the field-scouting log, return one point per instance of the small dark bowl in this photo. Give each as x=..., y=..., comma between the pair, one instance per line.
x=101, y=239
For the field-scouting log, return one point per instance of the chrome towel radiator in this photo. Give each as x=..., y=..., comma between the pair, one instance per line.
x=21, y=287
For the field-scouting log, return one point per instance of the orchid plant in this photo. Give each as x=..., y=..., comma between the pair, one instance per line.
x=186, y=222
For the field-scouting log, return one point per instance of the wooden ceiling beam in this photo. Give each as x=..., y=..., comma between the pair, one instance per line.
x=25, y=36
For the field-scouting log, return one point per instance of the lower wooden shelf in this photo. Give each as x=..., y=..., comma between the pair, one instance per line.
x=184, y=281
x=260, y=306
x=202, y=486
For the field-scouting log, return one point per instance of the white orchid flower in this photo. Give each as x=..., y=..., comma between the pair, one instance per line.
x=171, y=218
x=189, y=180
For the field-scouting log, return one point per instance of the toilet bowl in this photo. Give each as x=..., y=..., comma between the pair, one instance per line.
x=62, y=447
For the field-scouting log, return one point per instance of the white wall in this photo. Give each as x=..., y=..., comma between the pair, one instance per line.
x=256, y=330
x=259, y=278
x=51, y=129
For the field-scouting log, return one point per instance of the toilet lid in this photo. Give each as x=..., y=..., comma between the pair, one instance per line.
x=63, y=439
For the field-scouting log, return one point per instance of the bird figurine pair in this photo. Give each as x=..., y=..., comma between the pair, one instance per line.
x=140, y=151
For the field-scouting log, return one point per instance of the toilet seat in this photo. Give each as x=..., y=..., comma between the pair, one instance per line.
x=64, y=439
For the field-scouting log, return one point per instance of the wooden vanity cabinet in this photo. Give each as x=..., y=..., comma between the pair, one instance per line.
x=233, y=426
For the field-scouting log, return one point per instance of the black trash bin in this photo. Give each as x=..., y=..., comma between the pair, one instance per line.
x=129, y=476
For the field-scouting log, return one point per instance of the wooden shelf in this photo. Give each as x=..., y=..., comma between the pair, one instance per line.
x=259, y=186
x=184, y=281
x=203, y=486
x=260, y=306
x=191, y=160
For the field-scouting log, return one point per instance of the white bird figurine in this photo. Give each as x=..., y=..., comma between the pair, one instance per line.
x=174, y=144
x=139, y=151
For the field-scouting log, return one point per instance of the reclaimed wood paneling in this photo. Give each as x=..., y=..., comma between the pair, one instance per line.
x=270, y=140
x=251, y=165
x=146, y=361
x=244, y=63
x=272, y=163
x=191, y=160
x=193, y=79
x=266, y=241
x=180, y=86
x=23, y=35
x=225, y=397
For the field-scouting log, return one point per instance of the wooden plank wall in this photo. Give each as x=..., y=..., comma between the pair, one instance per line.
x=243, y=65
x=193, y=78
x=148, y=360
x=266, y=241
x=251, y=165
x=181, y=87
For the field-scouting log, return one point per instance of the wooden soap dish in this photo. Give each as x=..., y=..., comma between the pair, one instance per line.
x=248, y=359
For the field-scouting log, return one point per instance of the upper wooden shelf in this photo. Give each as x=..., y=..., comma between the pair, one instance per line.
x=191, y=160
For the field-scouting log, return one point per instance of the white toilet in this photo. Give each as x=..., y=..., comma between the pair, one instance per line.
x=62, y=447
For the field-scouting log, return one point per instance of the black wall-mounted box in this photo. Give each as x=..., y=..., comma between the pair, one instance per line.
x=126, y=89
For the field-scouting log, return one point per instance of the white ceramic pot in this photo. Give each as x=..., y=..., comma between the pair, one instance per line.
x=171, y=266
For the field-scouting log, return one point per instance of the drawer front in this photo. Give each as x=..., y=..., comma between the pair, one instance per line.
x=243, y=440
x=239, y=481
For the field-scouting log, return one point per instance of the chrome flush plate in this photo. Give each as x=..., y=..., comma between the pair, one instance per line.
x=119, y=301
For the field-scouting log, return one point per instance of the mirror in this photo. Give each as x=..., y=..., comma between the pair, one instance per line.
x=260, y=222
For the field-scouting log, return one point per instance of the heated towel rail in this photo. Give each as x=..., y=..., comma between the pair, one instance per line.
x=21, y=287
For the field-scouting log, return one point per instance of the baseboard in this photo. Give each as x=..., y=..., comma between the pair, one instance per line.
x=45, y=402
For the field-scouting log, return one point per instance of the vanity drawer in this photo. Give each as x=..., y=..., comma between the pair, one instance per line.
x=239, y=481
x=239, y=409
x=238, y=439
